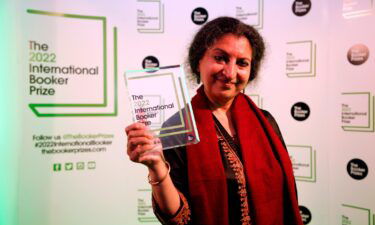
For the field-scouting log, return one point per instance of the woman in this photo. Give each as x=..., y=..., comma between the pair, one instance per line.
x=240, y=172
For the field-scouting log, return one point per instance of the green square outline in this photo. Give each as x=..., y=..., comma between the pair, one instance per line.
x=161, y=19
x=360, y=208
x=312, y=72
x=189, y=120
x=260, y=19
x=188, y=112
x=146, y=219
x=259, y=26
x=312, y=177
x=353, y=128
x=260, y=100
x=187, y=109
x=33, y=106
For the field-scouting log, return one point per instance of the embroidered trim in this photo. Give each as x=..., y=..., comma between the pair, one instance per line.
x=236, y=166
x=182, y=217
x=184, y=214
x=229, y=147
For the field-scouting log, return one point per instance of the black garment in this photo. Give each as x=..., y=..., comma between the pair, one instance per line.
x=178, y=161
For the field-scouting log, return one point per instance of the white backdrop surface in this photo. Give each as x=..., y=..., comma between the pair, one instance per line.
x=73, y=167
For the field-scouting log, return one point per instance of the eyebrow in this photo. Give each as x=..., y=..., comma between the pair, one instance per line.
x=222, y=51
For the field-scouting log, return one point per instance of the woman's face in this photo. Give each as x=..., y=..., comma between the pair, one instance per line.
x=225, y=68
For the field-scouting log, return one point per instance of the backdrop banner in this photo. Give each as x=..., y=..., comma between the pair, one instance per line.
x=65, y=102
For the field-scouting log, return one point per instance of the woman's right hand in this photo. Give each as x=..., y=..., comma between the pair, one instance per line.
x=143, y=147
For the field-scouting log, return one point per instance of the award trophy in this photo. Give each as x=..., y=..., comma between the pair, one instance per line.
x=159, y=99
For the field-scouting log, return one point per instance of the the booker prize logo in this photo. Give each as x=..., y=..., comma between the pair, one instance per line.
x=305, y=214
x=56, y=75
x=150, y=62
x=300, y=59
x=249, y=12
x=303, y=159
x=145, y=213
x=301, y=7
x=357, y=169
x=354, y=214
x=199, y=16
x=300, y=111
x=357, y=111
x=150, y=16
x=358, y=54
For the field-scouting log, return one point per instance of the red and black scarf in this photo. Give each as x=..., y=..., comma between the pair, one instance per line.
x=268, y=170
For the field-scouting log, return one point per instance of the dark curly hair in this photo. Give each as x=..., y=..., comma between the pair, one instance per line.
x=217, y=28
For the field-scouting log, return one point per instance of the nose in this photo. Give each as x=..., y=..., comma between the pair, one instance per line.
x=230, y=70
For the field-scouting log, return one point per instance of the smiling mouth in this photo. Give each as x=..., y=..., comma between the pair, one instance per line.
x=225, y=80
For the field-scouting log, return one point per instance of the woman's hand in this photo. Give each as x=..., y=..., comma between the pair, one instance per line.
x=143, y=147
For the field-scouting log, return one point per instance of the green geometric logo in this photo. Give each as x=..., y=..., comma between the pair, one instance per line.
x=39, y=108
x=80, y=165
x=69, y=166
x=57, y=167
x=91, y=165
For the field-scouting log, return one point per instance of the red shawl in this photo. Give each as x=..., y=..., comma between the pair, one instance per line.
x=268, y=170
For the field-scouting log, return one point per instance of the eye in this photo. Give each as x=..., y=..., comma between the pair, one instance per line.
x=219, y=58
x=243, y=63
